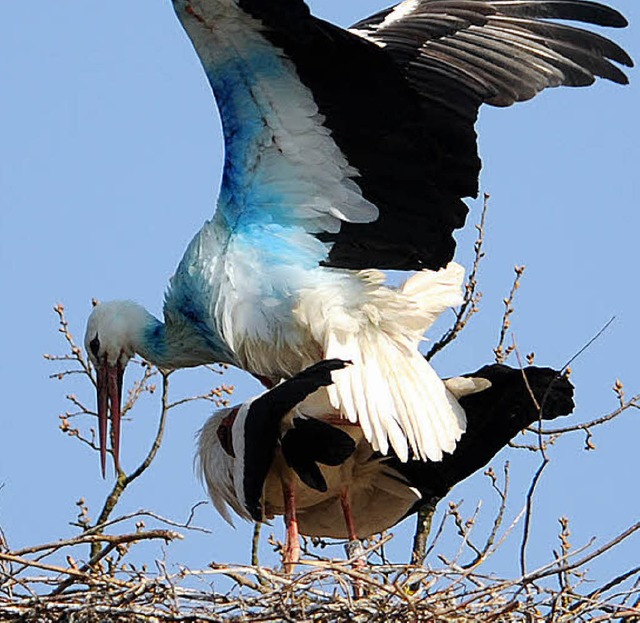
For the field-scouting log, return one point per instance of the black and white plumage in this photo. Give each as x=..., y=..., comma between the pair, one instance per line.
x=273, y=456
x=242, y=441
x=513, y=400
x=400, y=92
x=346, y=151
x=499, y=401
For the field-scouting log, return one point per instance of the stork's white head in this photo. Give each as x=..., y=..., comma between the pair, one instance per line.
x=115, y=329
x=114, y=332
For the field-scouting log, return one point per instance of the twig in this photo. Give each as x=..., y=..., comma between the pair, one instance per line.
x=589, y=343
x=123, y=480
x=632, y=402
x=528, y=514
x=501, y=354
x=98, y=538
x=99, y=528
x=497, y=522
x=113, y=543
x=471, y=295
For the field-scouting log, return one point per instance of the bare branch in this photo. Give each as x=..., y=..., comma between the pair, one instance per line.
x=123, y=480
x=472, y=296
x=500, y=353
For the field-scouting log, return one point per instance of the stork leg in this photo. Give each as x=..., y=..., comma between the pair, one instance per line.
x=354, y=547
x=348, y=514
x=354, y=542
x=291, y=553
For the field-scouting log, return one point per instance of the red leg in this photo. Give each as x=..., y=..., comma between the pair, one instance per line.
x=354, y=542
x=354, y=547
x=348, y=515
x=292, y=544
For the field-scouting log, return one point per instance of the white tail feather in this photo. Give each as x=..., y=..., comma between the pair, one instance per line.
x=433, y=292
x=461, y=386
x=390, y=389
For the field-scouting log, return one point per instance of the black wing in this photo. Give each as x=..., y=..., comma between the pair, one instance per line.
x=311, y=442
x=494, y=417
x=262, y=426
x=462, y=53
x=401, y=93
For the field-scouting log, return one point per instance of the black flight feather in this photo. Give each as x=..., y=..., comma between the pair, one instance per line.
x=262, y=426
x=494, y=416
x=401, y=96
x=311, y=442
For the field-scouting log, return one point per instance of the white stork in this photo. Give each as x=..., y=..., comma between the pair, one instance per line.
x=345, y=151
x=273, y=456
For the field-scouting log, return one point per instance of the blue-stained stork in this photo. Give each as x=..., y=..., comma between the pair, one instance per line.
x=253, y=457
x=345, y=151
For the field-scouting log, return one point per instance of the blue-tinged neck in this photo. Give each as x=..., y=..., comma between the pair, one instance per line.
x=118, y=328
x=181, y=343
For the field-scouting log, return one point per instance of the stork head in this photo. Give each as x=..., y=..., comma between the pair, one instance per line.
x=114, y=331
x=237, y=446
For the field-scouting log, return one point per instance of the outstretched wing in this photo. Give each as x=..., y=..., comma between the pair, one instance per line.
x=354, y=149
x=462, y=53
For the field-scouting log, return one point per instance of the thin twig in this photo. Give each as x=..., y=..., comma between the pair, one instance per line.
x=472, y=296
x=123, y=480
x=501, y=354
x=528, y=515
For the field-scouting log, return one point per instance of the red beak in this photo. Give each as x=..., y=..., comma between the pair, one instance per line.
x=109, y=383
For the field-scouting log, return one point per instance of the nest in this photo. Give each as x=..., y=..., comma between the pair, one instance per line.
x=34, y=590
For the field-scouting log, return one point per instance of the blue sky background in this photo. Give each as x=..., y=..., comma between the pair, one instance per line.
x=110, y=159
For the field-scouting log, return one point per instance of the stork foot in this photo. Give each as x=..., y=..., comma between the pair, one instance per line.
x=291, y=554
x=353, y=548
x=355, y=552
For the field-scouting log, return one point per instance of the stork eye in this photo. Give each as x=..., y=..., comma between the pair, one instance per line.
x=94, y=346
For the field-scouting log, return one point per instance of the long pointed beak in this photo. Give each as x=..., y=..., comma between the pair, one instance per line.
x=109, y=383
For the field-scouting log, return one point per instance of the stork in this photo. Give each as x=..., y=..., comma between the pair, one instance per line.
x=267, y=457
x=346, y=152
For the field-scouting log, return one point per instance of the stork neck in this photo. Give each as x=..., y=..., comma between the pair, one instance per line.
x=179, y=344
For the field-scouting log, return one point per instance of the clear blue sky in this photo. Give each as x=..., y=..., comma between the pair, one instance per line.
x=110, y=157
